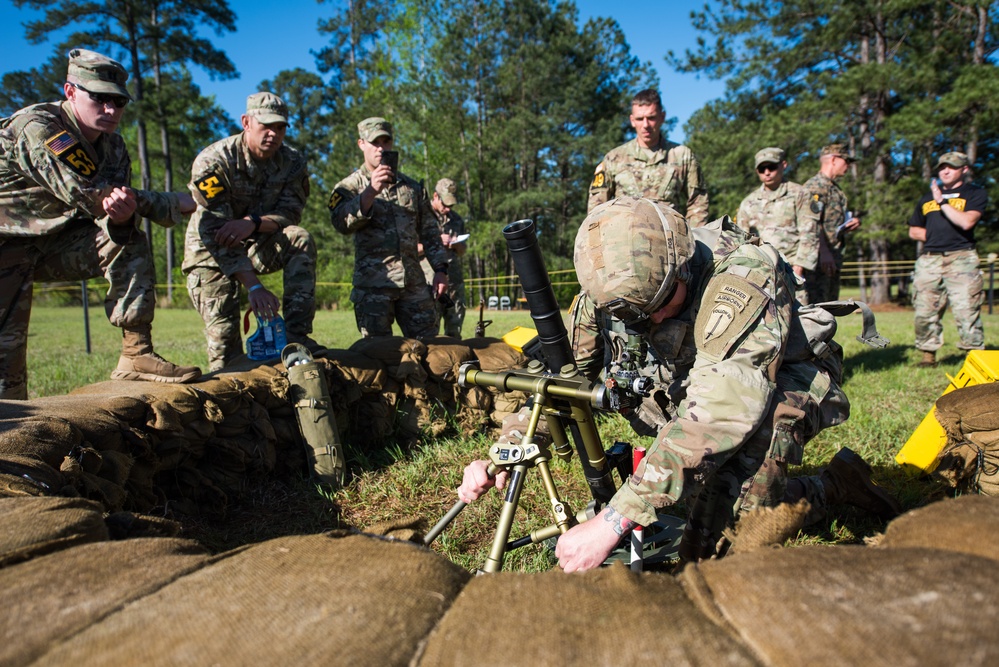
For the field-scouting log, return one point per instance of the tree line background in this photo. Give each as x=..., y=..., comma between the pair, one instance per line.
x=518, y=100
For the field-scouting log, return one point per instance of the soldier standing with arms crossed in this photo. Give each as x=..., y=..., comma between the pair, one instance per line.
x=67, y=213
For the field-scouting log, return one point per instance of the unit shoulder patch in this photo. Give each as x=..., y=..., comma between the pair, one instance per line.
x=731, y=305
x=67, y=148
x=210, y=187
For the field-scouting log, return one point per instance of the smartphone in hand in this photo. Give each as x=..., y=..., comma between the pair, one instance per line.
x=391, y=158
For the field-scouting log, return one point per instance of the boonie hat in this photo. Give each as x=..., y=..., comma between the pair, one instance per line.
x=370, y=129
x=953, y=159
x=772, y=155
x=267, y=108
x=97, y=73
x=837, y=150
x=448, y=191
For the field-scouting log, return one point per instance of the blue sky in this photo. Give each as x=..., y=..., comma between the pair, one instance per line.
x=291, y=35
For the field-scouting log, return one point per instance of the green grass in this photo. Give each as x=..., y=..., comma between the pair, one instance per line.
x=888, y=393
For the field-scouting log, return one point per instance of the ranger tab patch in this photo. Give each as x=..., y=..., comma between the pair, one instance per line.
x=69, y=151
x=731, y=305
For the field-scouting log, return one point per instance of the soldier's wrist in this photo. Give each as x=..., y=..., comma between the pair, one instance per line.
x=257, y=221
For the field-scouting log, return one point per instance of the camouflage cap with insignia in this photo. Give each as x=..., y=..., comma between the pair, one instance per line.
x=97, y=73
x=370, y=129
x=448, y=191
x=837, y=150
x=953, y=159
x=630, y=253
x=771, y=155
x=267, y=108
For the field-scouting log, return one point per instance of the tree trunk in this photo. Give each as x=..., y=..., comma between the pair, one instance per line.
x=161, y=119
x=145, y=176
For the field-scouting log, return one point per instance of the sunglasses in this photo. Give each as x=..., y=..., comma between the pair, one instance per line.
x=767, y=167
x=118, y=101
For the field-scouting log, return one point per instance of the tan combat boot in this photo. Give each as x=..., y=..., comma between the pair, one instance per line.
x=929, y=360
x=139, y=362
x=847, y=480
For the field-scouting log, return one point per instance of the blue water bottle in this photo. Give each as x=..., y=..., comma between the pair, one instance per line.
x=268, y=340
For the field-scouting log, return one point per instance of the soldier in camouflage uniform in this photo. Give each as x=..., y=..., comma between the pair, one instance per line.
x=389, y=214
x=650, y=166
x=947, y=271
x=67, y=213
x=780, y=214
x=250, y=189
x=451, y=226
x=740, y=384
x=829, y=202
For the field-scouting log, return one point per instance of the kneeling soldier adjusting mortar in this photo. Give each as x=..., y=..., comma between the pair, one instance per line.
x=563, y=397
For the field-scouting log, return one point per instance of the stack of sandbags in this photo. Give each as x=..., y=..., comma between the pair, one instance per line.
x=73, y=598
x=970, y=417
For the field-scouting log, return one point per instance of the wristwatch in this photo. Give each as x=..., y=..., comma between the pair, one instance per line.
x=256, y=222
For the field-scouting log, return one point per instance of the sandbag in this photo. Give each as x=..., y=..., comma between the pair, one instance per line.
x=969, y=524
x=852, y=605
x=602, y=617
x=445, y=356
x=49, y=599
x=969, y=409
x=494, y=355
x=303, y=600
x=34, y=526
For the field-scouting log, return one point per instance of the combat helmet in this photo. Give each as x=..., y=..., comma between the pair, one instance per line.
x=629, y=255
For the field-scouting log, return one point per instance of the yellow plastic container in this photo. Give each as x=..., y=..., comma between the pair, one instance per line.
x=919, y=454
x=520, y=337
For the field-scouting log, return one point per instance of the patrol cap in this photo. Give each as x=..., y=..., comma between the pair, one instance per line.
x=771, y=155
x=97, y=73
x=370, y=129
x=953, y=159
x=448, y=191
x=837, y=150
x=267, y=108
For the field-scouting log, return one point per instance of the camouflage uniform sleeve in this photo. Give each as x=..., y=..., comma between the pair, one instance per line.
x=587, y=343
x=601, y=188
x=731, y=385
x=430, y=233
x=212, y=191
x=807, y=222
x=163, y=208
x=345, y=205
x=697, y=192
x=57, y=160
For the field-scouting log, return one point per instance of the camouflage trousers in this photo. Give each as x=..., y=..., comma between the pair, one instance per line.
x=83, y=250
x=954, y=278
x=754, y=475
x=453, y=317
x=216, y=296
x=413, y=307
x=821, y=287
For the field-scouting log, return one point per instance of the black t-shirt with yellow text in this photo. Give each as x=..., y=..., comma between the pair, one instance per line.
x=941, y=234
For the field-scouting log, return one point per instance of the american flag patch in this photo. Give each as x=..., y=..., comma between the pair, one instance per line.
x=61, y=143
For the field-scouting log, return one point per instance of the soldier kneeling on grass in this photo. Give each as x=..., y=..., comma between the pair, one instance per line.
x=744, y=377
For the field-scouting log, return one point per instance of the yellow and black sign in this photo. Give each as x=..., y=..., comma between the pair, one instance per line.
x=69, y=151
